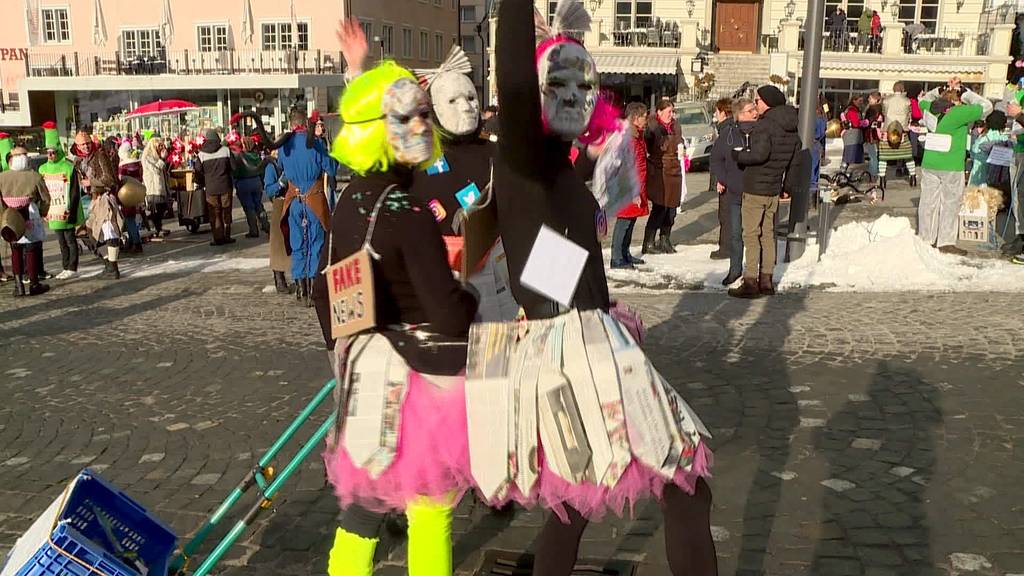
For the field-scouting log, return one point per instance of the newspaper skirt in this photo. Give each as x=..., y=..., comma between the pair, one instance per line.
x=569, y=411
x=400, y=434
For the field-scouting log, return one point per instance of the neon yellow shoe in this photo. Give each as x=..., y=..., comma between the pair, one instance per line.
x=351, y=555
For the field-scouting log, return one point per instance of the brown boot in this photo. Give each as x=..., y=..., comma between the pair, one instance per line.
x=748, y=290
x=767, y=287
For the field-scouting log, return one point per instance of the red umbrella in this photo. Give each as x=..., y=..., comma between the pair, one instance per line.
x=161, y=107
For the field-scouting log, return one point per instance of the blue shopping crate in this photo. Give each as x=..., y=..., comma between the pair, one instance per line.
x=79, y=558
x=98, y=523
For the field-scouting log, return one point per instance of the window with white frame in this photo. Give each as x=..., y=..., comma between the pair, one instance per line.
x=424, y=45
x=467, y=14
x=367, y=29
x=142, y=42
x=469, y=44
x=632, y=14
x=924, y=12
x=387, y=38
x=853, y=9
x=406, y=42
x=56, y=25
x=212, y=37
x=279, y=36
x=438, y=47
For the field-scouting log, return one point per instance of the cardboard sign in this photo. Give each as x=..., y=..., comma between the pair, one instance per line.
x=480, y=232
x=1001, y=156
x=58, y=187
x=350, y=293
x=938, y=142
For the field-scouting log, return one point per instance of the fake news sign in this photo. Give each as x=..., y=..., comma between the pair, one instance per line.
x=350, y=293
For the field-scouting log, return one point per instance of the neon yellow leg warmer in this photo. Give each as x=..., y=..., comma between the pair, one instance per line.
x=351, y=555
x=430, y=537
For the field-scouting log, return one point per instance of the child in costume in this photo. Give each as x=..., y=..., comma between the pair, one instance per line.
x=536, y=187
x=62, y=183
x=408, y=367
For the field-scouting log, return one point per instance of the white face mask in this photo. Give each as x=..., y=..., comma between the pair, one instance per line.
x=455, y=103
x=19, y=162
x=406, y=111
x=568, y=90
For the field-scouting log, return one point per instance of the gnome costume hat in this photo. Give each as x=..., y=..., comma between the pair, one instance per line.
x=51, y=139
x=5, y=148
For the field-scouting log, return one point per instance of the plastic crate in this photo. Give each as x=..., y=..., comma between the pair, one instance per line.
x=48, y=561
x=102, y=524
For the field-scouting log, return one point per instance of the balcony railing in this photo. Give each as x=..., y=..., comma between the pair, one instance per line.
x=184, y=62
x=660, y=35
x=944, y=42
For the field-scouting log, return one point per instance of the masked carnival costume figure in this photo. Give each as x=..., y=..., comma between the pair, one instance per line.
x=579, y=394
x=24, y=200
x=401, y=443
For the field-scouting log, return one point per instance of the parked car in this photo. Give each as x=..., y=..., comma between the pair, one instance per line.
x=695, y=124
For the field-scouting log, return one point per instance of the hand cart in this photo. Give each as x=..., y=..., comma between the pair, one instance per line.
x=97, y=529
x=192, y=209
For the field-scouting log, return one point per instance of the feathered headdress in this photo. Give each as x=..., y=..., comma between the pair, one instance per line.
x=457, y=62
x=570, y=16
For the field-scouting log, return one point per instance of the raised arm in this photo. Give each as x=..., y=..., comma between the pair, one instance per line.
x=518, y=87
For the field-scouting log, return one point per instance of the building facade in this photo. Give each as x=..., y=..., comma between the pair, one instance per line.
x=85, y=61
x=474, y=21
x=701, y=49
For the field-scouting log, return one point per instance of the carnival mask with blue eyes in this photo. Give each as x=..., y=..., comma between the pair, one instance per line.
x=568, y=89
x=410, y=131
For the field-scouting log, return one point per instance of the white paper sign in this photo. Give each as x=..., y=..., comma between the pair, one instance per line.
x=938, y=142
x=1001, y=156
x=554, y=266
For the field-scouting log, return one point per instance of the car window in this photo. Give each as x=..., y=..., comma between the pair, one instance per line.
x=691, y=117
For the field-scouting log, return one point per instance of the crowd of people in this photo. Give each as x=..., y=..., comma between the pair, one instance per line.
x=102, y=194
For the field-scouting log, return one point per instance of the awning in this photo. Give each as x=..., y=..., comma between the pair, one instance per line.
x=637, y=63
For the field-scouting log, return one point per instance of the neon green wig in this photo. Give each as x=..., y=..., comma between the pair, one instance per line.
x=362, y=143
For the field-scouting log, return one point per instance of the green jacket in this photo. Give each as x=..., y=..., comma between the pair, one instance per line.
x=957, y=123
x=66, y=168
x=864, y=22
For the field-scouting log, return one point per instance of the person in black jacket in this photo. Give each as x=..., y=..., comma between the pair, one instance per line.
x=214, y=173
x=733, y=133
x=774, y=142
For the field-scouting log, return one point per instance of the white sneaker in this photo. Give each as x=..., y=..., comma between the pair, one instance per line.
x=67, y=275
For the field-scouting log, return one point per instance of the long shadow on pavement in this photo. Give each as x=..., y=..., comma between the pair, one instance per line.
x=874, y=515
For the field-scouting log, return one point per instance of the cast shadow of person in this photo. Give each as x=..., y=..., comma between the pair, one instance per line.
x=727, y=358
x=881, y=457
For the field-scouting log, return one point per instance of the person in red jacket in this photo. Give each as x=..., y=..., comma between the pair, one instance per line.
x=622, y=235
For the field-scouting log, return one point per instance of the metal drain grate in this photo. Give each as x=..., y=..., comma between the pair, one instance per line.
x=504, y=563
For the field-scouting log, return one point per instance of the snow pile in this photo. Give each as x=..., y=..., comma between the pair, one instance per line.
x=881, y=256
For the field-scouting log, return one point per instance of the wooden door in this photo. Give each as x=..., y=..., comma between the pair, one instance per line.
x=737, y=26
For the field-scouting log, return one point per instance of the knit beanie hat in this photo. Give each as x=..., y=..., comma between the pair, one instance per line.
x=5, y=146
x=771, y=96
x=996, y=121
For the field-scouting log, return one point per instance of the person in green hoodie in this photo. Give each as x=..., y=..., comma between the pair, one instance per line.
x=949, y=115
x=66, y=213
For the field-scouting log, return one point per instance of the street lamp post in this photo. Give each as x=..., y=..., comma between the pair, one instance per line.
x=380, y=40
x=796, y=241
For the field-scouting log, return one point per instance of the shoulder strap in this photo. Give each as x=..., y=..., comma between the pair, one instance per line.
x=369, y=232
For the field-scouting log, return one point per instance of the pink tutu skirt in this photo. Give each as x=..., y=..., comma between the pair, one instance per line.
x=431, y=459
x=593, y=501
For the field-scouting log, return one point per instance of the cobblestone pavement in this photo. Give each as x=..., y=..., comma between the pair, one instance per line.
x=854, y=434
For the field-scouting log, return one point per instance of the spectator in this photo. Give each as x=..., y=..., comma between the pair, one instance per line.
x=837, y=31
x=664, y=178
x=636, y=115
x=774, y=143
x=213, y=172
x=876, y=32
x=853, y=134
x=722, y=118
x=988, y=135
x=950, y=116
x=818, y=148
x=864, y=31
x=733, y=135
x=872, y=134
x=248, y=176
x=129, y=166
x=154, y=175
x=490, y=129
